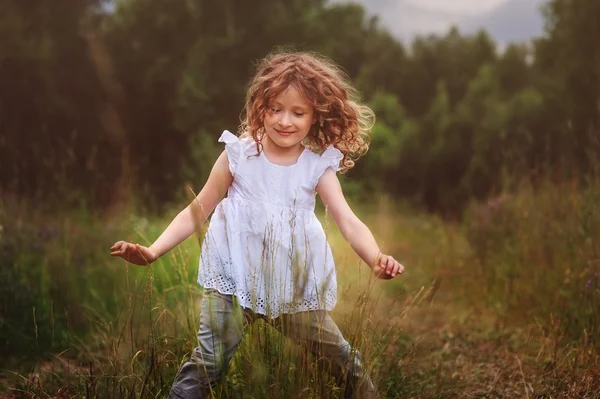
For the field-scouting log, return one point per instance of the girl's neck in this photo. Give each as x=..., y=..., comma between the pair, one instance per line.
x=281, y=155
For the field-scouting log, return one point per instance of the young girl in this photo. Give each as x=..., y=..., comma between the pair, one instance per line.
x=264, y=245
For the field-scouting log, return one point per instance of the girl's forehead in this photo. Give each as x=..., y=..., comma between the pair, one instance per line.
x=292, y=96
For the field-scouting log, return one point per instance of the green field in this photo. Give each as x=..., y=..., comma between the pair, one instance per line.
x=503, y=304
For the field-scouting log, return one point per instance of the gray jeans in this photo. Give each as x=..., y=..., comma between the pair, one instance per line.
x=223, y=324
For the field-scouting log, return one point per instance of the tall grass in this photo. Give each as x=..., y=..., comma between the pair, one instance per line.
x=76, y=322
x=137, y=325
x=537, y=260
x=49, y=275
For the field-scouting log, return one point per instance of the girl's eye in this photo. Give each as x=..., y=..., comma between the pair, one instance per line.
x=276, y=110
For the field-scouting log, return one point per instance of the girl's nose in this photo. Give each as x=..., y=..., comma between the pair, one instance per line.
x=285, y=120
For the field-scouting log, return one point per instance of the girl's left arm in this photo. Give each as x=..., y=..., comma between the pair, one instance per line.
x=354, y=231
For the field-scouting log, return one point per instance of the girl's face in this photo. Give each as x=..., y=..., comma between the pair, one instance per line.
x=289, y=118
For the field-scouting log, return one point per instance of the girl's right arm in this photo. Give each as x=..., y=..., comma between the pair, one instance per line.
x=186, y=222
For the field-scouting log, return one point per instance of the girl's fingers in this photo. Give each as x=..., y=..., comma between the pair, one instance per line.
x=116, y=245
x=383, y=264
x=119, y=249
x=134, y=253
x=389, y=265
x=400, y=269
x=396, y=269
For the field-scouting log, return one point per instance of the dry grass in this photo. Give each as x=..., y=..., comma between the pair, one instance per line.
x=435, y=332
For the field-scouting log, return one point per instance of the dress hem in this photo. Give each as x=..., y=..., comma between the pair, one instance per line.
x=244, y=304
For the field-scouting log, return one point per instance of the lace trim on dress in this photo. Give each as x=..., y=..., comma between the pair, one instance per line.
x=324, y=300
x=267, y=307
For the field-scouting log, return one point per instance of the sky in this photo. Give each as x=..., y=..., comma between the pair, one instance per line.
x=506, y=20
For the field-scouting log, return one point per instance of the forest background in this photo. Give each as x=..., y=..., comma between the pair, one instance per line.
x=109, y=113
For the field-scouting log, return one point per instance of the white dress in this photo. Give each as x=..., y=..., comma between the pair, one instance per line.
x=264, y=243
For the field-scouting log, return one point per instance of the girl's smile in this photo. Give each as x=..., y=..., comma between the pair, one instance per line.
x=282, y=133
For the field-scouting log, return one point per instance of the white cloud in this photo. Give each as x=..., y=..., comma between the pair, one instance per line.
x=460, y=8
x=507, y=20
x=408, y=18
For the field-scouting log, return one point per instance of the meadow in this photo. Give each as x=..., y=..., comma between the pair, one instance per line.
x=107, y=112
x=503, y=303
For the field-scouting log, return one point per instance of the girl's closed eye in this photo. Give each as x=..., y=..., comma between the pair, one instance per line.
x=298, y=114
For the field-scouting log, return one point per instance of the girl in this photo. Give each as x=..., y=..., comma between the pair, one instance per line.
x=264, y=245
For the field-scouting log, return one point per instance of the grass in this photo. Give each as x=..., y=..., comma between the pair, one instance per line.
x=501, y=305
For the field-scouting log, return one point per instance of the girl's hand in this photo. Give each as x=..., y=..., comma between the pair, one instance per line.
x=386, y=267
x=134, y=253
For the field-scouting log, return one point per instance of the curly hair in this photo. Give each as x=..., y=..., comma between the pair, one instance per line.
x=340, y=119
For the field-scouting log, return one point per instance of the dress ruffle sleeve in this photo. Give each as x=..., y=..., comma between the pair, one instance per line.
x=330, y=158
x=233, y=146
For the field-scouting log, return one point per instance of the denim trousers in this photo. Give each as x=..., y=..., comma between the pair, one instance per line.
x=223, y=324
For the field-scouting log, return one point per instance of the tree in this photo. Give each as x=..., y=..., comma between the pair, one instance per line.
x=52, y=145
x=571, y=55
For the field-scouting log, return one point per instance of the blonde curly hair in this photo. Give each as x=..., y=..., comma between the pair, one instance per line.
x=340, y=119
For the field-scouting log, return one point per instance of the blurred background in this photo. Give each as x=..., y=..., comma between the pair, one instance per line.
x=103, y=101
x=487, y=140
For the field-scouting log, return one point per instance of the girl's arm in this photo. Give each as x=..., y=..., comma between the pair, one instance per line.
x=186, y=222
x=355, y=232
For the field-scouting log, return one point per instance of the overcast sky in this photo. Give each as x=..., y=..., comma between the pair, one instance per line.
x=506, y=20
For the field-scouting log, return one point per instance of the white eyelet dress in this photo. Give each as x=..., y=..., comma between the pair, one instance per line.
x=264, y=243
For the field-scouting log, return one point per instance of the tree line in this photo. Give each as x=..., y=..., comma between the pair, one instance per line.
x=104, y=102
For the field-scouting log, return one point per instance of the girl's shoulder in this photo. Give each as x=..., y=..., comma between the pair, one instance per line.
x=330, y=158
x=237, y=148
x=241, y=144
x=229, y=138
x=311, y=156
x=329, y=155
